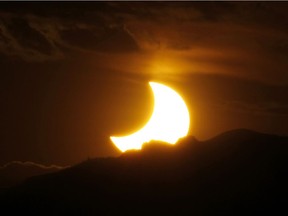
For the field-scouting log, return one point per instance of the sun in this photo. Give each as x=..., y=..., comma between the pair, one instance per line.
x=170, y=120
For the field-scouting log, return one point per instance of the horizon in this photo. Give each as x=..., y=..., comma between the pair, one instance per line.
x=144, y=145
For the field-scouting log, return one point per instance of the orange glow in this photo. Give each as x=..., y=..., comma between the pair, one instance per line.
x=169, y=122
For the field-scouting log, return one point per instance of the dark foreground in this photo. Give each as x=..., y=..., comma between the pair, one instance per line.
x=237, y=173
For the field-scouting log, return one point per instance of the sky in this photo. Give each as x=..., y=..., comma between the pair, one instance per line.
x=75, y=73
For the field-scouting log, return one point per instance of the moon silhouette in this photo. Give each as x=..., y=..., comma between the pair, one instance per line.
x=170, y=120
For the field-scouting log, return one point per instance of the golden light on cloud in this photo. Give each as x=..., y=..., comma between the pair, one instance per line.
x=164, y=65
x=169, y=122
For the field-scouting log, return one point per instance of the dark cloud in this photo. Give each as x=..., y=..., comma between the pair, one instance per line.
x=245, y=39
x=49, y=36
x=22, y=38
x=104, y=40
x=27, y=37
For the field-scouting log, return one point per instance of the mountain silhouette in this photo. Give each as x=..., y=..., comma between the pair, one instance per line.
x=239, y=172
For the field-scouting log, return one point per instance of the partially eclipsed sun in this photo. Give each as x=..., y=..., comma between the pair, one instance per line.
x=169, y=122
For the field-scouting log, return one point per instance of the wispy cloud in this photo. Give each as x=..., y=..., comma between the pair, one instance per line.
x=30, y=164
x=256, y=108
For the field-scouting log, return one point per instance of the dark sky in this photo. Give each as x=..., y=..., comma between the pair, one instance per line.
x=72, y=74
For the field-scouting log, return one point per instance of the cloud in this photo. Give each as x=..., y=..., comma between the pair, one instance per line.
x=14, y=172
x=237, y=95
x=37, y=38
x=30, y=164
x=247, y=40
x=21, y=38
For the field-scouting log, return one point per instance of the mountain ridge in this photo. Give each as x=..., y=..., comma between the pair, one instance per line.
x=236, y=173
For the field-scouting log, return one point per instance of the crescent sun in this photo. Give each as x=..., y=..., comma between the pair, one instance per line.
x=170, y=120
